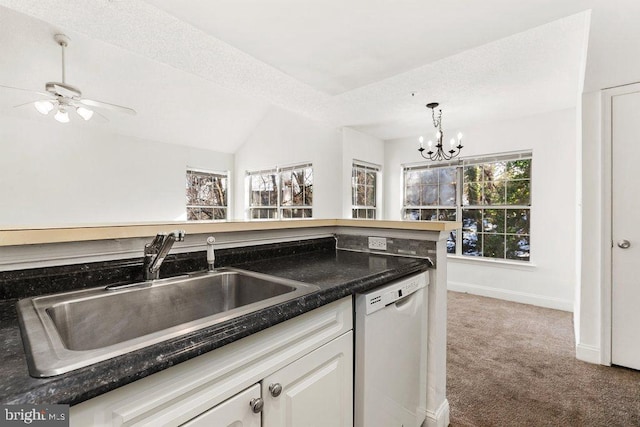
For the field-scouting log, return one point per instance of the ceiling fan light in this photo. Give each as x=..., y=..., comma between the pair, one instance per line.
x=62, y=116
x=43, y=107
x=85, y=113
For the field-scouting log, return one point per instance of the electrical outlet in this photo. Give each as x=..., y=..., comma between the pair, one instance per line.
x=378, y=243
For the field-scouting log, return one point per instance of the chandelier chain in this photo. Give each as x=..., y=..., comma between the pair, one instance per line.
x=437, y=123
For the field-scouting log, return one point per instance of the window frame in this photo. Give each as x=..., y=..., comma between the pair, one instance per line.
x=291, y=206
x=263, y=208
x=370, y=211
x=457, y=235
x=422, y=207
x=221, y=207
x=282, y=206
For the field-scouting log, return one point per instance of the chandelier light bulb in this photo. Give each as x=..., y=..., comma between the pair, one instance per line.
x=459, y=136
x=421, y=139
x=43, y=107
x=85, y=113
x=62, y=116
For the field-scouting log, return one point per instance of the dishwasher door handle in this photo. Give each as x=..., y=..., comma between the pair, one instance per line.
x=403, y=302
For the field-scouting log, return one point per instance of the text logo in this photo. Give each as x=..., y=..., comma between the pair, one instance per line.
x=34, y=415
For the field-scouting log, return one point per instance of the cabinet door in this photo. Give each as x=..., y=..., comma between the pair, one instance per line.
x=233, y=412
x=316, y=390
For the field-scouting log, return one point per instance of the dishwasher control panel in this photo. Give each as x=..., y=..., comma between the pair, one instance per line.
x=392, y=292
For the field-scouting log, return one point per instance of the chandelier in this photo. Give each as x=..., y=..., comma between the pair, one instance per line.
x=438, y=152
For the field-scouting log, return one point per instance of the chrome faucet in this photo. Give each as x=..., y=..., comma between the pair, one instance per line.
x=156, y=251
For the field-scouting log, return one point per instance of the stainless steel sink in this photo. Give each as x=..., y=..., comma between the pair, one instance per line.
x=66, y=331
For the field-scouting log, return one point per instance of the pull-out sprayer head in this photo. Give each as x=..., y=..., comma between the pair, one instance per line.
x=211, y=256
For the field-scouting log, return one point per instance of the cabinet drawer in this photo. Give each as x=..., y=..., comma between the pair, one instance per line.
x=234, y=412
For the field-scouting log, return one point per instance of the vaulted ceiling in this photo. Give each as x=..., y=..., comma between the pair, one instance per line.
x=204, y=73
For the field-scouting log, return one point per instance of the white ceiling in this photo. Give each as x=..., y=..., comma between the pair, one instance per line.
x=336, y=45
x=204, y=73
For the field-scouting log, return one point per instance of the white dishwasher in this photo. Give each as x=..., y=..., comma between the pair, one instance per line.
x=391, y=354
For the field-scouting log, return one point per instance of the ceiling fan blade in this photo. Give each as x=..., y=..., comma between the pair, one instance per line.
x=44, y=106
x=106, y=105
x=100, y=117
x=26, y=103
x=27, y=90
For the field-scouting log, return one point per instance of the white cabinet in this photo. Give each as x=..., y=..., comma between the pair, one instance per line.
x=315, y=390
x=309, y=355
x=234, y=412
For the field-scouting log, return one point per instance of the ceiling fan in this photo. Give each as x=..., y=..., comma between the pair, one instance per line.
x=63, y=98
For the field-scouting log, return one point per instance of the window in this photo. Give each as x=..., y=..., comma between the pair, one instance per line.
x=206, y=195
x=296, y=192
x=263, y=198
x=281, y=192
x=364, y=179
x=490, y=195
x=430, y=193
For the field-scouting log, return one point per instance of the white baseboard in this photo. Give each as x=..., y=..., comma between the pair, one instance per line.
x=439, y=418
x=509, y=295
x=588, y=353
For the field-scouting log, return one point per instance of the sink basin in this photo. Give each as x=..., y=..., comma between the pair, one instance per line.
x=70, y=330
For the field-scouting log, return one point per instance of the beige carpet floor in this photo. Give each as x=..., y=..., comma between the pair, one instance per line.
x=511, y=364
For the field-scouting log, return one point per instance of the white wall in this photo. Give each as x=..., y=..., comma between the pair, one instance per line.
x=283, y=138
x=61, y=174
x=551, y=279
x=613, y=44
x=589, y=313
x=360, y=146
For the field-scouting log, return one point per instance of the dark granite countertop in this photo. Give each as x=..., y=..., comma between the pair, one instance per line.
x=337, y=273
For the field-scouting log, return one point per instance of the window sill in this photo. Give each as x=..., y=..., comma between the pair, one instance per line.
x=492, y=262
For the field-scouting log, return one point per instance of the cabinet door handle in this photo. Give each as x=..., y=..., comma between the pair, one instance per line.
x=624, y=244
x=256, y=405
x=275, y=389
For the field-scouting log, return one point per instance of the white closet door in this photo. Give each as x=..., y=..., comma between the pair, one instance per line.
x=625, y=298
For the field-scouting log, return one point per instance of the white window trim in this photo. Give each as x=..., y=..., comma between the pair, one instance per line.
x=496, y=262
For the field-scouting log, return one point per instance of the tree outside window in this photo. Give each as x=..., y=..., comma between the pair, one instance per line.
x=206, y=194
x=364, y=185
x=263, y=188
x=430, y=194
x=496, y=210
x=297, y=192
x=281, y=193
x=491, y=196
